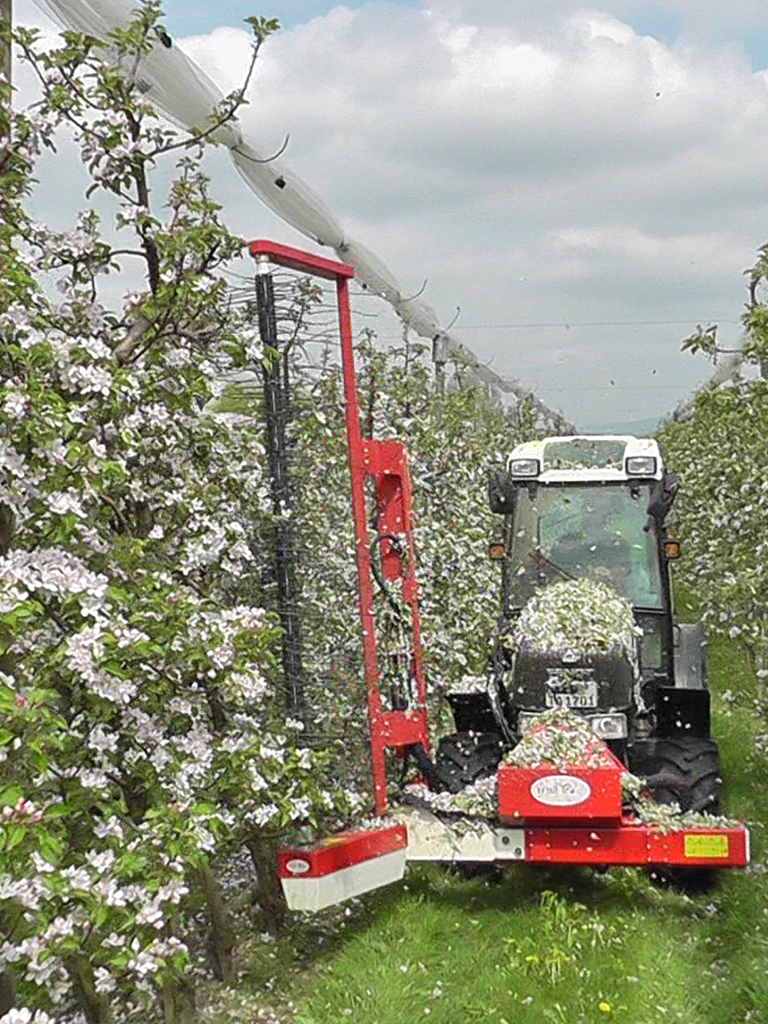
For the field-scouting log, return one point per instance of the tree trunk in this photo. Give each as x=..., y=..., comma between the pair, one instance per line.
x=7, y=992
x=221, y=938
x=269, y=892
x=95, y=1006
x=178, y=999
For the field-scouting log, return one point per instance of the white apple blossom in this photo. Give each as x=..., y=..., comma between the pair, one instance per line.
x=93, y=778
x=103, y=980
x=263, y=814
x=22, y=1015
x=65, y=502
x=144, y=963
x=100, y=862
x=52, y=570
x=577, y=617
x=15, y=404
x=86, y=380
x=28, y=892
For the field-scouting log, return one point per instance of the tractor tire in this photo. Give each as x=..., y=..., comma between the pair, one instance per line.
x=687, y=773
x=462, y=759
x=465, y=757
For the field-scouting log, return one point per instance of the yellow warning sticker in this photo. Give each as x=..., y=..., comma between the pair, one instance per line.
x=706, y=846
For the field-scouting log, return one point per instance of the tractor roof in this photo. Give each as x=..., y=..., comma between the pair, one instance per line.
x=587, y=458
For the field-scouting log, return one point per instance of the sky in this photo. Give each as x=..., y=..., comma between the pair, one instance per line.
x=583, y=184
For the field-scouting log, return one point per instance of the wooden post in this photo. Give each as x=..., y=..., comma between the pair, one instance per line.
x=6, y=15
x=439, y=358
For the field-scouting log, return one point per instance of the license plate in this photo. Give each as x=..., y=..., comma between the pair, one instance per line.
x=578, y=693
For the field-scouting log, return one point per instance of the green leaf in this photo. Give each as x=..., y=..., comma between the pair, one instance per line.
x=14, y=834
x=50, y=846
x=262, y=27
x=10, y=797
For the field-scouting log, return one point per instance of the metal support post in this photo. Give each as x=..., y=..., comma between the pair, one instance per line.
x=276, y=403
x=439, y=358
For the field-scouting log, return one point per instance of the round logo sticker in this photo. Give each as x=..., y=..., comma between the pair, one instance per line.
x=560, y=790
x=298, y=867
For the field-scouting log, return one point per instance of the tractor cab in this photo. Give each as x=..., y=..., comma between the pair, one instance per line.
x=593, y=508
x=574, y=530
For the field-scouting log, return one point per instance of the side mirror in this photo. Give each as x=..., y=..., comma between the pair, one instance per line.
x=661, y=505
x=671, y=487
x=501, y=492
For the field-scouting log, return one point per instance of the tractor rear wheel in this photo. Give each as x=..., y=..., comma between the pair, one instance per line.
x=686, y=772
x=465, y=757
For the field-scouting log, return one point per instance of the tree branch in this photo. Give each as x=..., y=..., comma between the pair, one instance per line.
x=124, y=351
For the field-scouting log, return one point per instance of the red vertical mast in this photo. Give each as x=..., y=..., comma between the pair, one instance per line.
x=386, y=463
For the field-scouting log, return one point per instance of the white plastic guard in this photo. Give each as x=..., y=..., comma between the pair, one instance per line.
x=307, y=893
x=430, y=839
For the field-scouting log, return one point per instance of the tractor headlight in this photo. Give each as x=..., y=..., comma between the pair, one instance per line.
x=641, y=465
x=524, y=467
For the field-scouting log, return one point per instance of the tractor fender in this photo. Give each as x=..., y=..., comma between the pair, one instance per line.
x=690, y=653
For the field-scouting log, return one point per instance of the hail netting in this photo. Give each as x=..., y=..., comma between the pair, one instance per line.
x=309, y=576
x=179, y=88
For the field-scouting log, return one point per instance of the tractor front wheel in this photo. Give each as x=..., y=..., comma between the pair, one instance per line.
x=465, y=757
x=686, y=771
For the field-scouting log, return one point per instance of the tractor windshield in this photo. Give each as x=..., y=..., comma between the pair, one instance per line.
x=602, y=532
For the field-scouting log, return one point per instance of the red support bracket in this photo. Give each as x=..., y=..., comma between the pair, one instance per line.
x=386, y=463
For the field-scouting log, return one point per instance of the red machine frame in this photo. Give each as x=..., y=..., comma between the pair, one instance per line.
x=385, y=462
x=582, y=824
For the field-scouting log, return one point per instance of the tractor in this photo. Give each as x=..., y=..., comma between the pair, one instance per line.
x=593, y=508
x=545, y=742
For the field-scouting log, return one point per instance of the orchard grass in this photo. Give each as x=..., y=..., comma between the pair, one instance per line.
x=541, y=945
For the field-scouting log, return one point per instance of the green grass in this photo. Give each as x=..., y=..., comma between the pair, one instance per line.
x=547, y=945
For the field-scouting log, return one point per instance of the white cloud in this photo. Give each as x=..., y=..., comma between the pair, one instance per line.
x=537, y=163
x=698, y=18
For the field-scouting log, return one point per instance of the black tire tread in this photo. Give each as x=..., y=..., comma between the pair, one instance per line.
x=465, y=757
x=695, y=762
x=689, y=773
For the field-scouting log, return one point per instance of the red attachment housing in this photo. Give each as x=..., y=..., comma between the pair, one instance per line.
x=572, y=814
x=342, y=850
x=384, y=462
x=534, y=795
x=586, y=790
x=342, y=866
